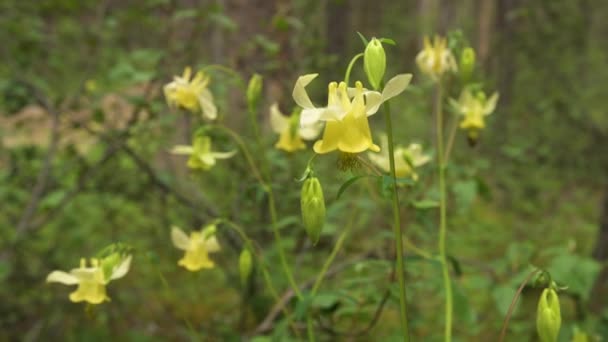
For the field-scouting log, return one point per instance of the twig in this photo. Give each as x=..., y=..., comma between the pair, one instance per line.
x=505, y=324
x=268, y=321
x=45, y=171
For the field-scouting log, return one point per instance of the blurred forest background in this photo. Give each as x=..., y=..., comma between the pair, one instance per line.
x=85, y=134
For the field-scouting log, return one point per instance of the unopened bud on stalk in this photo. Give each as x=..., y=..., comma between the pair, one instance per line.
x=467, y=63
x=254, y=91
x=548, y=316
x=245, y=265
x=374, y=62
x=313, y=208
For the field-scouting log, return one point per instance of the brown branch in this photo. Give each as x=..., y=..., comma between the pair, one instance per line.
x=45, y=171
x=268, y=321
x=505, y=324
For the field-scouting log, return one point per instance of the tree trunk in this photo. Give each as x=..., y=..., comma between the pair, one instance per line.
x=599, y=293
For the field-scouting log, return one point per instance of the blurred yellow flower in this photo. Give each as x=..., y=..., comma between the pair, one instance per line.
x=201, y=156
x=406, y=159
x=474, y=108
x=435, y=58
x=91, y=280
x=347, y=127
x=289, y=130
x=191, y=95
x=197, y=246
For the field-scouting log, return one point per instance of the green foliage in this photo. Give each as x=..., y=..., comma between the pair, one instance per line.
x=528, y=193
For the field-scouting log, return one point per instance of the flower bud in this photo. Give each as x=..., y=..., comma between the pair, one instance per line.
x=245, y=265
x=548, y=316
x=254, y=90
x=467, y=63
x=374, y=62
x=313, y=208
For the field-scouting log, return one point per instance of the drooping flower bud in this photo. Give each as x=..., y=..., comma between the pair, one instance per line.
x=245, y=265
x=548, y=316
x=374, y=62
x=254, y=90
x=467, y=63
x=313, y=208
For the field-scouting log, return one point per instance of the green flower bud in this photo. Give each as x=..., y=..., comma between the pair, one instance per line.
x=374, y=62
x=245, y=265
x=548, y=316
x=467, y=63
x=313, y=208
x=254, y=91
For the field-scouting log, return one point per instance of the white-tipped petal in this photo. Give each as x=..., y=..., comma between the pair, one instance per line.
x=212, y=245
x=182, y=149
x=373, y=100
x=207, y=106
x=310, y=116
x=299, y=92
x=121, y=269
x=396, y=86
x=61, y=277
x=179, y=238
x=278, y=122
x=490, y=104
x=311, y=132
x=223, y=155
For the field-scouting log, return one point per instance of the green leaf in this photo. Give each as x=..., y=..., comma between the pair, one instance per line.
x=348, y=183
x=303, y=306
x=576, y=272
x=325, y=301
x=387, y=41
x=363, y=39
x=503, y=296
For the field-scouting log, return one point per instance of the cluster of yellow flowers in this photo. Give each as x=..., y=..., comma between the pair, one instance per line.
x=345, y=125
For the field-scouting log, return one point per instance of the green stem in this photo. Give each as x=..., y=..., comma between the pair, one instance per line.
x=266, y=274
x=397, y=227
x=272, y=209
x=167, y=288
x=442, y=162
x=324, y=269
x=330, y=260
x=350, y=66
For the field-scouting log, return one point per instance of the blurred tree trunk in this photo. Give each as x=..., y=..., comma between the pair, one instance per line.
x=503, y=64
x=487, y=16
x=600, y=253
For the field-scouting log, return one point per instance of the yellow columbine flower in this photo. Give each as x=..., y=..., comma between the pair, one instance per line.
x=474, y=109
x=347, y=128
x=91, y=280
x=289, y=130
x=406, y=159
x=191, y=95
x=197, y=247
x=201, y=156
x=435, y=58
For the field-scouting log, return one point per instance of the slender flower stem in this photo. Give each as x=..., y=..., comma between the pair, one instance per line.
x=503, y=332
x=453, y=131
x=442, y=162
x=324, y=269
x=272, y=208
x=350, y=67
x=167, y=288
x=266, y=274
x=397, y=227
